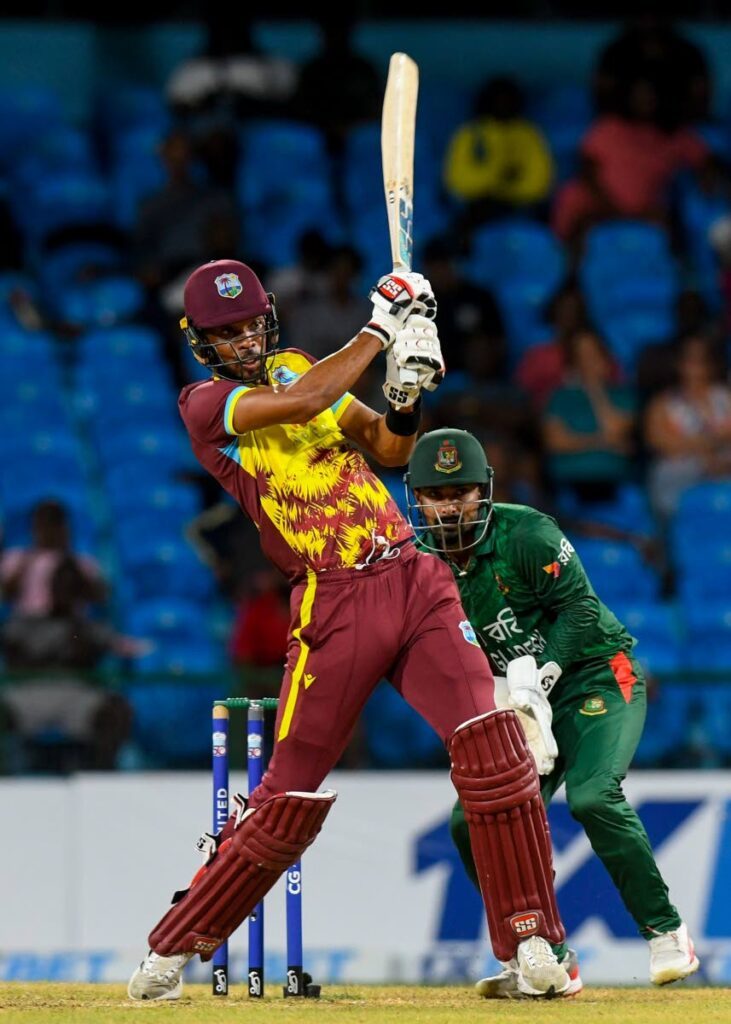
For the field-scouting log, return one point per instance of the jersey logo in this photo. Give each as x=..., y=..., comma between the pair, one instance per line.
x=309, y=680
x=283, y=375
x=565, y=552
x=229, y=286
x=468, y=632
x=448, y=460
x=553, y=569
x=593, y=706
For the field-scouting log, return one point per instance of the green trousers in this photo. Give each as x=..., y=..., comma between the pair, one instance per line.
x=597, y=726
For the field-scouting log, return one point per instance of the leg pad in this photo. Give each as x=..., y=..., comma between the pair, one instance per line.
x=268, y=840
x=495, y=777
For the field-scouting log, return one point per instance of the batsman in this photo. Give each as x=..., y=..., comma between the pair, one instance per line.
x=564, y=662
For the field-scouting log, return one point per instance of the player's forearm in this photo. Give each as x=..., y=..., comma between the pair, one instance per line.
x=388, y=448
x=329, y=379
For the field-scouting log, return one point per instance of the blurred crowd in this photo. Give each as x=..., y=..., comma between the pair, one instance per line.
x=579, y=245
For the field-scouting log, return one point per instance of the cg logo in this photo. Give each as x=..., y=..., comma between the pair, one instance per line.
x=220, y=981
x=293, y=982
x=255, y=982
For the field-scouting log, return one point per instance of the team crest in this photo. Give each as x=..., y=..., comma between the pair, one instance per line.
x=283, y=375
x=448, y=460
x=228, y=286
x=468, y=632
x=593, y=706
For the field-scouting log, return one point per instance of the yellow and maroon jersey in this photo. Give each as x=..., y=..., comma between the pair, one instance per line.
x=313, y=497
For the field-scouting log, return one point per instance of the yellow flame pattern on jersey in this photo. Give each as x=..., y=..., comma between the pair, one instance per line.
x=318, y=492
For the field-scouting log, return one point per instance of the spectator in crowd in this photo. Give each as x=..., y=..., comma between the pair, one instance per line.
x=541, y=370
x=688, y=426
x=498, y=162
x=468, y=313
x=26, y=573
x=173, y=224
x=231, y=80
x=627, y=164
x=652, y=48
x=589, y=422
x=338, y=88
x=320, y=321
x=307, y=278
x=60, y=719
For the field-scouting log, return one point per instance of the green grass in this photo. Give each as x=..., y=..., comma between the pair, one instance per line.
x=41, y=1003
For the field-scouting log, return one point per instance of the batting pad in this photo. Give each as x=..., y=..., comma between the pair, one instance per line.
x=496, y=780
x=268, y=841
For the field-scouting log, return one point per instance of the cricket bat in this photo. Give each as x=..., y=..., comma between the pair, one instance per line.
x=398, y=127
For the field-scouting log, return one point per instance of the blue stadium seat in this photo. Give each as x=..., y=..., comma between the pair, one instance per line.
x=137, y=171
x=616, y=571
x=60, y=200
x=28, y=110
x=100, y=303
x=130, y=344
x=656, y=628
x=172, y=720
x=702, y=515
x=716, y=717
x=630, y=510
x=666, y=728
x=66, y=264
x=563, y=113
x=708, y=627
x=523, y=263
x=704, y=570
x=170, y=618
x=129, y=106
x=631, y=285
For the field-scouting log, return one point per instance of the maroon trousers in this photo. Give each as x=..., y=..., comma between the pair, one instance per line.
x=399, y=618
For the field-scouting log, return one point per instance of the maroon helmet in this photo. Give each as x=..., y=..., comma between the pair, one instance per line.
x=224, y=292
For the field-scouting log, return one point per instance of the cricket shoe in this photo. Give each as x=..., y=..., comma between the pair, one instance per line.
x=672, y=956
x=505, y=984
x=539, y=972
x=158, y=977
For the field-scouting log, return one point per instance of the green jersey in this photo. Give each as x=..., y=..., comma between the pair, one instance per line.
x=525, y=592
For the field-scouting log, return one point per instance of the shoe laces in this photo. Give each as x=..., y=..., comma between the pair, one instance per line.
x=154, y=969
x=537, y=952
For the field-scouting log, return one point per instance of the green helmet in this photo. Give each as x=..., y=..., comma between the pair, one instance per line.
x=448, y=458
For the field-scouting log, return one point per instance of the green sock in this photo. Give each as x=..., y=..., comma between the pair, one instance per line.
x=561, y=950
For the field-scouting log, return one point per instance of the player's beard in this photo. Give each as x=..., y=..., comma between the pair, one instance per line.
x=457, y=534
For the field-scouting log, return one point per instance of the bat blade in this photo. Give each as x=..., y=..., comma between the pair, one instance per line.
x=398, y=126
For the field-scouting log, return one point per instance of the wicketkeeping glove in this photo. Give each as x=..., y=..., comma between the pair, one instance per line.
x=395, y=298
x=529, y=693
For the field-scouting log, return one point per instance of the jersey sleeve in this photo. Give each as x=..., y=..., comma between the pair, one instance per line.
x=208, y=411
x=549, y=564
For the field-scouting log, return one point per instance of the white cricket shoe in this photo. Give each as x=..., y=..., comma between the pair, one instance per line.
x=672, y=956
x=505, y=984
x=158, y=977
x=539, y=972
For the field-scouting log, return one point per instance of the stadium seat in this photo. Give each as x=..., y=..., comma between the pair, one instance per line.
x=616, y=571
x=523, y=263
x=100, y=303
x=563, y=112
x=666, y=731
x=656, y=627
x=708, y=628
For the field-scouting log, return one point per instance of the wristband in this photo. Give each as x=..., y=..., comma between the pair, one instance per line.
x=404, y=424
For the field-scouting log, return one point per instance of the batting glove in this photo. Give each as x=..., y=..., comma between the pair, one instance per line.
x=414, y=362
x=395, y=298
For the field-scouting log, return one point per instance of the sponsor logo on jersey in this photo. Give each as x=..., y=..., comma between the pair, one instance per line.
x=283, y=375
x=504, y=625
x=565, y=552
x=228, y=286
x=593, y=706
x=448, y=460
x=468, y=632
x=553, y=569
x=524, y=924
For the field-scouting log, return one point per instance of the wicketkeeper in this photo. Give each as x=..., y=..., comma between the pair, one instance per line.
x=564, y=662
